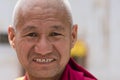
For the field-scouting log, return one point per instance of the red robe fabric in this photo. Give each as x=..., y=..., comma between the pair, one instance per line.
x=73, y=72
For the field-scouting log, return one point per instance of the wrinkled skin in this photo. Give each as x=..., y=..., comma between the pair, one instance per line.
x=43, y=33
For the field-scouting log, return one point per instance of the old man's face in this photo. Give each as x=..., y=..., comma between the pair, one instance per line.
x=43, y=42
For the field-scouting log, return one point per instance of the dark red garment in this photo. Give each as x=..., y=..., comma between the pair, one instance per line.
x=74, y=72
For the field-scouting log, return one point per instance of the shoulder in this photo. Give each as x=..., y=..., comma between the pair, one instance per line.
x=80, y=71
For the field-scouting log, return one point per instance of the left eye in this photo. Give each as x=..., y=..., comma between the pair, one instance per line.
x=32, y=34
x=55, y=34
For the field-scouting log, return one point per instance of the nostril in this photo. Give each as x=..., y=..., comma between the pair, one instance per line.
x=43, y=50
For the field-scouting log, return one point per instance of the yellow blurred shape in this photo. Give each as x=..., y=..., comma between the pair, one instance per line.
x=79, y=49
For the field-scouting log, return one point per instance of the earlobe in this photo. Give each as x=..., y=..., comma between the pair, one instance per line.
x=11, y=36
x=74, y=34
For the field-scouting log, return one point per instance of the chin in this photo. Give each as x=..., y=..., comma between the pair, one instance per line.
x=46, y=74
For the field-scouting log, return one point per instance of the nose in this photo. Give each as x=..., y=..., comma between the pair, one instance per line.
x=43, y=46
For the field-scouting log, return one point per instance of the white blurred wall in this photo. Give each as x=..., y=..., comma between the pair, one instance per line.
x=99, y=25
x=9, y=66
x=6, y=8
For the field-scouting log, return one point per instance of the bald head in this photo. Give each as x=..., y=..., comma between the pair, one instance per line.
x=42, y=29
x=56, y=8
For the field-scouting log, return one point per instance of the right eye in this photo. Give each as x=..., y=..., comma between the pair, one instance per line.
x=55, y=34
x=32, y=35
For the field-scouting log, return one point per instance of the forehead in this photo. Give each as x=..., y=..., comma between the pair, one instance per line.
x=47, y=24
x=43, y=21
x=42, y=29
x=40, y=9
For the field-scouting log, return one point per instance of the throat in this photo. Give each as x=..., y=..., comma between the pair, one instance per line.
x=28, y=77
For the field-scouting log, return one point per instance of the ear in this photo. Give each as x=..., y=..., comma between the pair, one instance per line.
x=74, y=34
x=11, y=36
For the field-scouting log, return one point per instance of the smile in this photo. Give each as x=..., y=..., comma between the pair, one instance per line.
x=44, y=60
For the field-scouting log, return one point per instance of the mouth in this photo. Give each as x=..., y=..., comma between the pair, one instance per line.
x=44, y=60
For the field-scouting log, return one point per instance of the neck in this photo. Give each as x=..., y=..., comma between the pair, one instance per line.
x=28, y=77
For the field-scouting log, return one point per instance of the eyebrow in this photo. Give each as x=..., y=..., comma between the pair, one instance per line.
x=58, y=27
x=55, y=27
x=29, y=28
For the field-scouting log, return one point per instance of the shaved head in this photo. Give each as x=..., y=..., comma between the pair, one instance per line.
x=61, y=9
x=42, y=36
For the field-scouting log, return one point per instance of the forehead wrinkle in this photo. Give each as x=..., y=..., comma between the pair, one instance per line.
x=55, y=27
x=47, y=8
x=58, y=28
x=45, y=14
x=28, y=28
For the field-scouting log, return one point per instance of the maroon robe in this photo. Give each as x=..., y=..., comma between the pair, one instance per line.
x=75, y=72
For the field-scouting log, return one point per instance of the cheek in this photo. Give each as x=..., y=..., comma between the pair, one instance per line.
x=22, y=49
x=20, y=46
x=64, y=51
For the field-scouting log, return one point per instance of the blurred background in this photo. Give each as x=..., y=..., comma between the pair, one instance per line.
x=98, y=45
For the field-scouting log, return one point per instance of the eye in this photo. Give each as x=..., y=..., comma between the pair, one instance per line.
x=32, y=35
x=55, y=34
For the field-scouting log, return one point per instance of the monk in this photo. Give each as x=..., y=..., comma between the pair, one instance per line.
x=42, y=34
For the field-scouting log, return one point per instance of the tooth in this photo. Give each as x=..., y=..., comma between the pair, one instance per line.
x=47, y=60
x=39, y=60
x=50, y=60
x=43, y=60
